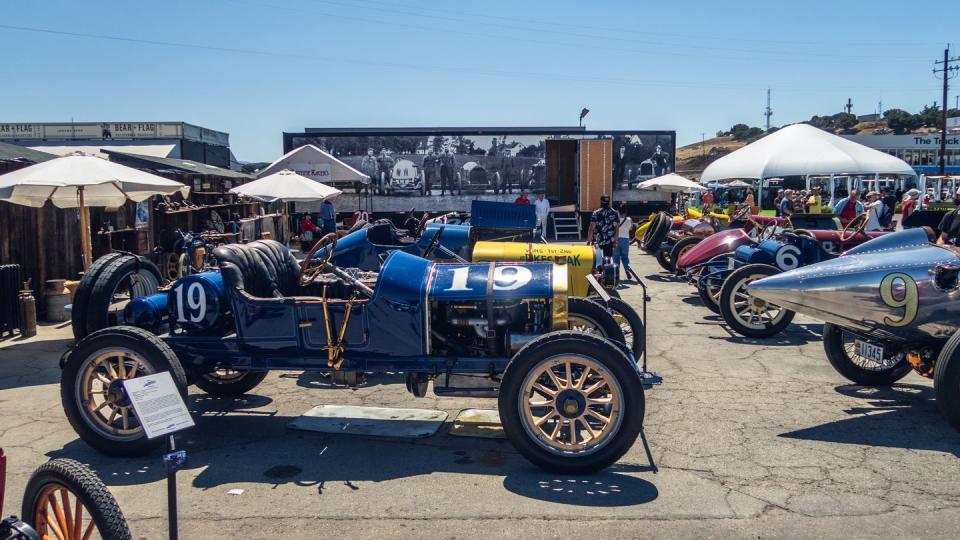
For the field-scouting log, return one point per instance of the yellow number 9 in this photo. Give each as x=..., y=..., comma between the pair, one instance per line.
x=909, y=302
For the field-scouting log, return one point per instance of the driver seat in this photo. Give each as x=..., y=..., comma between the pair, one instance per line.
x=263, y=268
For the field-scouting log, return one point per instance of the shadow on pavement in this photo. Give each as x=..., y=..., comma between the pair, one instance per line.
x=32, y=363
x=257, y=447
x=795, y=334
x=902, y=416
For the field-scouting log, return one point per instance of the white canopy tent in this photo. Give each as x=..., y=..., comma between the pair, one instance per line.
x=286, y=186
x=803, y=150
x=80, y=181
x=671, y=183
x=315, y=164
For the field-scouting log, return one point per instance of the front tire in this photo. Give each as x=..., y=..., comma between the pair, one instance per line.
x=946, y=381
x=710, y=295
x=839, y=347
x=590, y=317
x=571, y=403
x=61, y=487
x=230, y=383
x=746, y=315
x=91, y=388
x=663, y=257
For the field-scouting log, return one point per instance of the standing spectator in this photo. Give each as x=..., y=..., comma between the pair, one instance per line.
x=777, y=200
x=748, y=200
x=848, y=207
x=328, y=215
x=706, y=202
x=603, y=227
x=889, y=206
x=786, y=204
x=909, y=205
x=874, y=208
x=543, y=212
x=622, y=252
x=522, y=199
x=307, y=228
x=814, y=201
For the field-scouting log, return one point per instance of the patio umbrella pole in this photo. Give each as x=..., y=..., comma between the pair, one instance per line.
x=86, y=244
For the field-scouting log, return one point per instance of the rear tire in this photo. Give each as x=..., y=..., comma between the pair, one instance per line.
x=591, y=317
x=710, y=296
x=87, y=490
x=841, y=360
x=734, y=300
x=663, y=257
x=630, y=323
x=946, y=381
x=95, y=366
x=656, y=232
x=230, y=384
x=615, y=417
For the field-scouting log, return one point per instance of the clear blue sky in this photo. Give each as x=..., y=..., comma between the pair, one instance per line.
x=255, y=68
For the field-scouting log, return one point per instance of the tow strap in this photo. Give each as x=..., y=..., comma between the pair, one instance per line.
x=335, y=350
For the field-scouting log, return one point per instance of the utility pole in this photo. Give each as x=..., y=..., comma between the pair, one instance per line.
x=948, y=71
x=849, y=105
x=768, y=112
x=702, y=141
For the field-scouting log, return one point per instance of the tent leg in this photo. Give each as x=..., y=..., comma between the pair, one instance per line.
x=86, y=244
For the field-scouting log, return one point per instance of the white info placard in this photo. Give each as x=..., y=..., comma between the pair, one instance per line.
x=158, y=404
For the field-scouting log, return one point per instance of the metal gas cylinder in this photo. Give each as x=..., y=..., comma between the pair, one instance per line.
x=28, y=311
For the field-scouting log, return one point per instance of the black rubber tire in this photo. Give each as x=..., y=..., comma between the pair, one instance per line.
x=101, y=291
x=658, y=232
x=597, y=314
x=946, y=381
x=613, y=360
x=246, y=382
x=86, y=486
x=632, y=319
x=681, y=247
x=838, y=358
x=663, y=257
x=726, y=306
x=707, y=299
x=157, y=357
x=78, y=313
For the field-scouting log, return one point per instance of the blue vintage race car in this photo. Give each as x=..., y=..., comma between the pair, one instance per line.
x=569, y=400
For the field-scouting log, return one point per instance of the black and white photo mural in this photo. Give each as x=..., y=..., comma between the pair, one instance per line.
x=438, y=171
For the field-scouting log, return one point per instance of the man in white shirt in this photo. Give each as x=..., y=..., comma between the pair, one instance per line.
x=542, y=206
x=621, y=253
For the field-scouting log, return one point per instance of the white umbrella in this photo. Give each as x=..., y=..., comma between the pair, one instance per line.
x=286, y=186
x=80, y=181
x=736, y=183
x=671, y=183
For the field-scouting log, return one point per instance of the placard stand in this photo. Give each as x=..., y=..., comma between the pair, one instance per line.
x=173, y=462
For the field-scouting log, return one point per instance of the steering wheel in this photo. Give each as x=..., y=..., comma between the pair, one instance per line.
x=408, y=218
x=434, y=242
x=741, y=214
x=857, y=225
x=764, y=231
x=310, y=268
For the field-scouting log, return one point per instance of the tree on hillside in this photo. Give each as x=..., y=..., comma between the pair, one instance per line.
x=840, y=122
x=742, y=132
x=900, y=121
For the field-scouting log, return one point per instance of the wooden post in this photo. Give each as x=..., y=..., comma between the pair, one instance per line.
x=86, y=243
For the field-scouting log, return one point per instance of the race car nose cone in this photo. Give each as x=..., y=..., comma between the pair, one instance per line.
x=779, y=289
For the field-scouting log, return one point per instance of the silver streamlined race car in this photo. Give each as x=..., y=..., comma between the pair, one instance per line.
x=890, y=305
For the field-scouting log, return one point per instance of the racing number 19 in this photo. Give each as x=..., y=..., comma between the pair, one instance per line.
x=193, y=299
x=909, y=300
x=505, y=278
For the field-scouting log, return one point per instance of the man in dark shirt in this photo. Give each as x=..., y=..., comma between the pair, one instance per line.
x=950, y=225
x=603, y=227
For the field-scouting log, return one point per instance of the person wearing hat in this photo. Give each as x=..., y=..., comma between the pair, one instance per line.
x=950, y=224
x=909, y=204
x=874, y=209
x=603, y=227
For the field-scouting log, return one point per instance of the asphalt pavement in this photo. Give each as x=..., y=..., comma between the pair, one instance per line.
x=752, y=438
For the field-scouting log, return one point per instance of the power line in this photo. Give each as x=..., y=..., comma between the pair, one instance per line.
x=436, y=68
x=644, y=32
x=870, y=58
